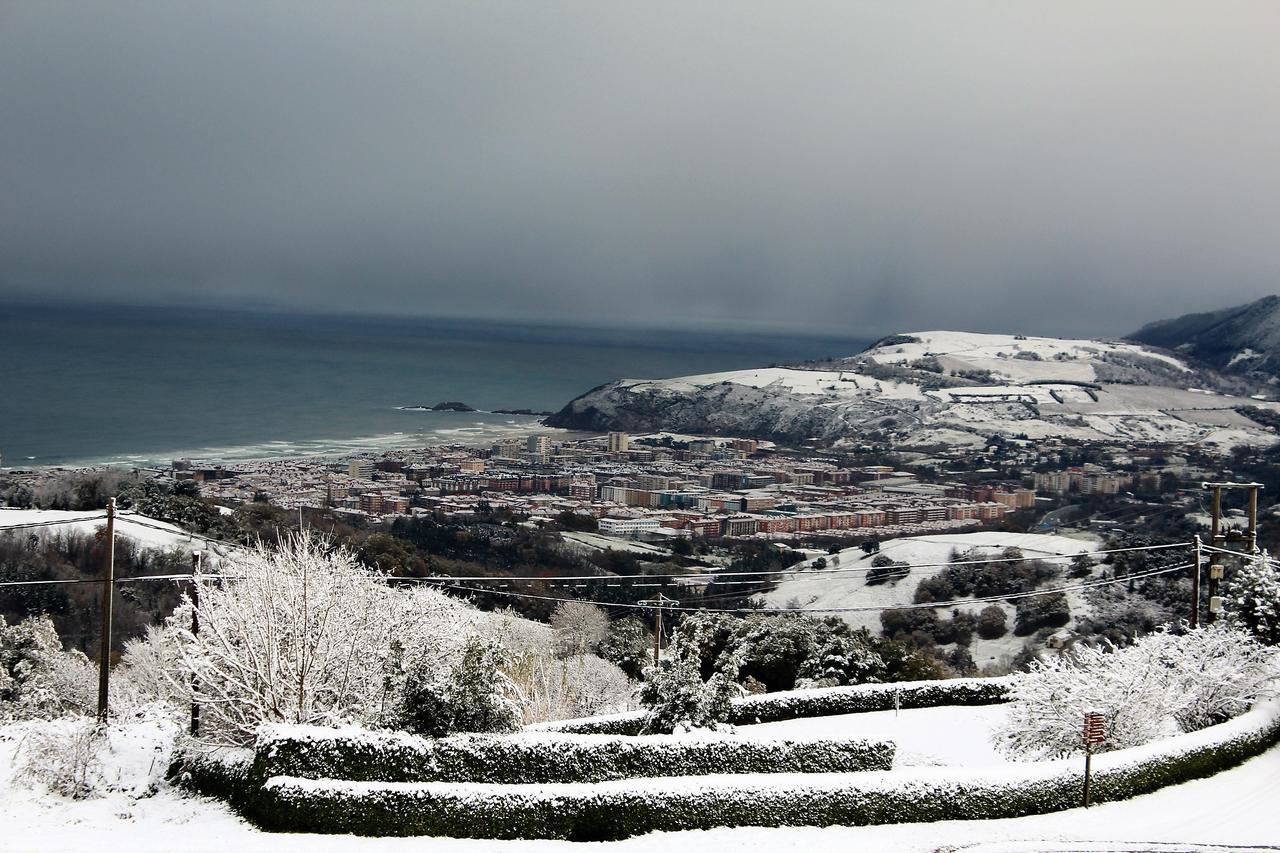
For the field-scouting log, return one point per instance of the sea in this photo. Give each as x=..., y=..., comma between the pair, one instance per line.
x=86, y=385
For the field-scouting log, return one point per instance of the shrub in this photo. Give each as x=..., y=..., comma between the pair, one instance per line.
x=992, y=623
x=1161, y=685
x=1040, y=611
x=580, y=628
x=365, y=756
x=474, y=695
x=629, y=644
x=678, y=698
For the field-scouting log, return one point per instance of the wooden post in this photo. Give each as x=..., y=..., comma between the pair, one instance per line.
x=195, y=632
x=1196, y=568
x=657, y=604
x=1088, y=771
x=1253, y=518
x=108, y=590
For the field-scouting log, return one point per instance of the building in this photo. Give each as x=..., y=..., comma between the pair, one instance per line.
x=628, y=526
x=619, y=442
x=361, y=468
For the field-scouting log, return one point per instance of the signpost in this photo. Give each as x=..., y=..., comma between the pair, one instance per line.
x=1094, y=735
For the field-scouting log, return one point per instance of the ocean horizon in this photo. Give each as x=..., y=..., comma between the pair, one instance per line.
x=86, y=385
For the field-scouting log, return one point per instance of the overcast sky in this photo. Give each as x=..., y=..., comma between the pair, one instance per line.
x=1058, y=168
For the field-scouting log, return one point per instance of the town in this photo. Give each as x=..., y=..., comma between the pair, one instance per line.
x=662, y=486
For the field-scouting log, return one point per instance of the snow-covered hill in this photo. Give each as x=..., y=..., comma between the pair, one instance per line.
x=927, y=555
x=147, y=532
x=945, y=387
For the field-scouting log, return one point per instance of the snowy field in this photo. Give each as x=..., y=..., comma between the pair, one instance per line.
x=147, y=532
x=1234, y=808
x=941, y=737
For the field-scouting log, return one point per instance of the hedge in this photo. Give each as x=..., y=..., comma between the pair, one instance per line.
x=817, y=702
x=223, y=773
x=358, y=755
x=612, y=810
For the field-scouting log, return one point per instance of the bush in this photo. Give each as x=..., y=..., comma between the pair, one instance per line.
x=1040, y=611
x=820, y=702
x=992, y=623
x=629, y=644
x=364, y=756
x=1163, y=684
x=678, y=699
x=474, y=696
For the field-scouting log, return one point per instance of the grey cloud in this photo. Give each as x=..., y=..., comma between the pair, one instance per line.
x=1054, y=168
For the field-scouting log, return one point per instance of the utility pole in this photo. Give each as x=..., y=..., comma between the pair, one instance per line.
x=1220, y=538
x=195, y=632
x=1196, y=568
x=658, y=604
x=108, y=589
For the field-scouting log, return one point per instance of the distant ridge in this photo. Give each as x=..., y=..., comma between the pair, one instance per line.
x=1244, y=339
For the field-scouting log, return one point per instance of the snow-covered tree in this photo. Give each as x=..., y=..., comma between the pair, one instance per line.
x=304, y=634
x=580, y=627
x=38, y=678
x=1252, y=598
x=679, y=700
x=472, y=695
x=1164, y=684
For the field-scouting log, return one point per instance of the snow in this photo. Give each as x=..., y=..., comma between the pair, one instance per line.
x=835, y=590
x=128, y=524
x=998, y=353
x=947, y=736
x=1231, y=808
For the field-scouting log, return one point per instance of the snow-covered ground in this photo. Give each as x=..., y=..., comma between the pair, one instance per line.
x=1233, y=808
x=839, y=590
x=139, y=528
x=954, y=736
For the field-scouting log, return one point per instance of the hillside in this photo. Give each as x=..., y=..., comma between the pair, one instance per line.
x=943, y=387
x=1244, y=339
x=927, y=554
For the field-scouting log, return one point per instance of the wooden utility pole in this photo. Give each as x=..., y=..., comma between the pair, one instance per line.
x=195, y=632
x=1196, y=568
x=658, y=604
x=108, y=590
x=1219, y=538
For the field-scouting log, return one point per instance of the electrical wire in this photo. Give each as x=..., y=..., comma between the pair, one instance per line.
x=918, y=606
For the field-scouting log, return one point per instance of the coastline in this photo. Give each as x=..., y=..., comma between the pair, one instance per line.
x=469, y=434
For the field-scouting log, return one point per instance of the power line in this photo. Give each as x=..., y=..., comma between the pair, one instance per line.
x=51, y=523
x=917, y=606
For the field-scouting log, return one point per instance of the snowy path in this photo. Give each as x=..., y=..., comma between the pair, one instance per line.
x=1234, y=808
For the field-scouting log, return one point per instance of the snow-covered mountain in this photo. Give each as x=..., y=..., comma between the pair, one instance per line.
x=1243, y=339
x=942, y=387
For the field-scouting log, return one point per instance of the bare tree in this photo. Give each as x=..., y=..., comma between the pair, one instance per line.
x=579, y=627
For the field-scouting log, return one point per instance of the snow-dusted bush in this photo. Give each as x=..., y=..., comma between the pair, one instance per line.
x=679, y=700
x=1253, y=598
x=79, y=758
x=37, y=678
x=819, y=702
x=559, y=689
x=472, y=695
x=1162, y=685
x=359, y=755
x=304, y=634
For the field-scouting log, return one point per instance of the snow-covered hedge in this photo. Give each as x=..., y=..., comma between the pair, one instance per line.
x=818, y=702
x=611, y=810
x=223, y=773
x=359, y=755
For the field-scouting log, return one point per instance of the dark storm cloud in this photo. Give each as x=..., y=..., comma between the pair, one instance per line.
x=1058, y=168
